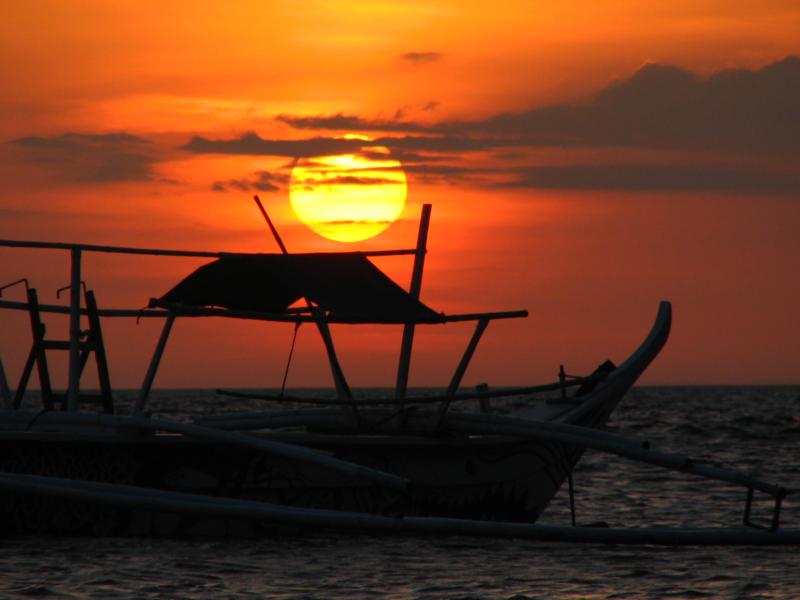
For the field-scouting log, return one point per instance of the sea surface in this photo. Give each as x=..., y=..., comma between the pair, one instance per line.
x=753, y=429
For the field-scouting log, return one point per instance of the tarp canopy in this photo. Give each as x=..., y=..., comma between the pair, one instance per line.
x=346, y=284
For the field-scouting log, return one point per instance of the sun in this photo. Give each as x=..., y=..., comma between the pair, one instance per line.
x=348, y=197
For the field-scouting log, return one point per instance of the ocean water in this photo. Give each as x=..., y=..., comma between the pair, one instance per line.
x=753, y=429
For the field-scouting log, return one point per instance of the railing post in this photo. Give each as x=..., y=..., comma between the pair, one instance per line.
x=776, y=515
x=73, y=390
x=748, y=503
x=483, y=401
x=571, y=499
x=414, y=291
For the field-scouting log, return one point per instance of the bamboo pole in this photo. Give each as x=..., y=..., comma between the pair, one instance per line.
x=516, y=427
x=329, y=419
x=424, y=399
x=5, y=391
x=415, y=288
x=603, y=441
x=73, y=391
x=135, y=497
x=339, y=380
x=152, y=369
x=675, y=462
x=274, y=447
x=480, y=327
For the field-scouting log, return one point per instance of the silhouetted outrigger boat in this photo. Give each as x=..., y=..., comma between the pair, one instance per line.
x=404, y=464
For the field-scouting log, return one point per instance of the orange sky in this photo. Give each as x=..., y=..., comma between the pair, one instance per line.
x=584, y=160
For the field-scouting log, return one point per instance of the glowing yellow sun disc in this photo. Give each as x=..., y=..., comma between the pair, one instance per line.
x=348, y=197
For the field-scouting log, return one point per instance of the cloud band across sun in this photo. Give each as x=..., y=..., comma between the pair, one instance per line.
x=348, y=197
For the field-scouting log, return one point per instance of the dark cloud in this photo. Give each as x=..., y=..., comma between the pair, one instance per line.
x=406, y=157
x=241, y=185
x=92, y=157
x=263, y=181
x=22, y=212
x=251, y=143
x=419, y=58
x=358, y=222
x=269, y=182
x=444, y=173
x=746, y=114
x=667, y=107
x=654, y=177
x=342, y=122
x=657, y=107
x=350, y=180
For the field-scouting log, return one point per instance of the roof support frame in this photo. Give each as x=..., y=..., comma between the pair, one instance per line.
x=458, y=375
x=340, y=382
x=406, y=345
x=147, y=384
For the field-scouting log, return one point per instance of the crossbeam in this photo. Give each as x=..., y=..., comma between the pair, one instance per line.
x=288, y=317
x=167, y=252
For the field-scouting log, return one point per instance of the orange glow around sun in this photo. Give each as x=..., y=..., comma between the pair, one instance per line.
x=348, y=197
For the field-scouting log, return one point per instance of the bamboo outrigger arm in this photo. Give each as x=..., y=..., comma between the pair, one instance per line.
x=129, y=496
x=501, y=425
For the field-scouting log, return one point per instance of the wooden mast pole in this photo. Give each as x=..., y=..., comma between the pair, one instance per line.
x=414, y=291
x=73, y=391
x=342, y=388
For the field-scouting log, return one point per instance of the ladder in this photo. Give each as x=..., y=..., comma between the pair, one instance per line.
x=91, y=343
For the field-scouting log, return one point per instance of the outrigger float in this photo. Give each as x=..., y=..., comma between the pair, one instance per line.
x=406, y=464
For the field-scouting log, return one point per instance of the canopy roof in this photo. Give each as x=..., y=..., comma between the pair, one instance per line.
x=347, y=285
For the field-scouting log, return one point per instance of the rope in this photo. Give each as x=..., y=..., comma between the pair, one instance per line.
x=289, y=360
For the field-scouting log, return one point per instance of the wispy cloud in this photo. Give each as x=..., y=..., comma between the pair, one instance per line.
x=668, y=107
x=421, y=58
x=342, y=122
x=262, y=181
x=350, y=180
x=95, y=158
x=253, y=144
x=657, y=107
x=746, y=113
x=653, y=177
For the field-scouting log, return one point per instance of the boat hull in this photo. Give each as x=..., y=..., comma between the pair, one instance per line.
x=490, y=478
x=480, y=477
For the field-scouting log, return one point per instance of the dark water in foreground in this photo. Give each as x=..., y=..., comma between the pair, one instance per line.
x=752, y=429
